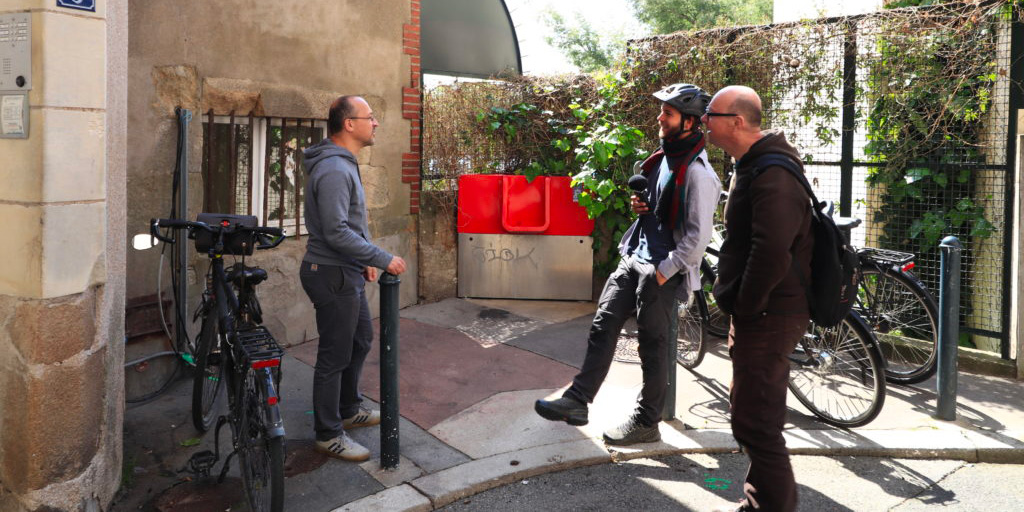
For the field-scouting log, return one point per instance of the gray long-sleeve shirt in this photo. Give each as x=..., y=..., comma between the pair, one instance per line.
x=336, y=219
x=693, y=235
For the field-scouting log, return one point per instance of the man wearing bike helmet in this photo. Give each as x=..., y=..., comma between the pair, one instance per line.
x=767, y=247
x=660, y=261
x=339, y=259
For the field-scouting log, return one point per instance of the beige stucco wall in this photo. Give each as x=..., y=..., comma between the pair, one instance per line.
x=291, y=59
x=61, y=314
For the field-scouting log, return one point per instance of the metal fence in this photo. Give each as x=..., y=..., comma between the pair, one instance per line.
x=854, y=72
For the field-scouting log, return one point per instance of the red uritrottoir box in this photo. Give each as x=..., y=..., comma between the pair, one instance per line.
x=497, y=204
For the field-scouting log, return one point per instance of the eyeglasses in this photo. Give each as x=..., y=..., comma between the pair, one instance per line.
x=367, y=117
x=709, y=113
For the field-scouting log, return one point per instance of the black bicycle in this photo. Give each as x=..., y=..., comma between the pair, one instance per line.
x=235, y=348
x=899, y=309
x=838, y=373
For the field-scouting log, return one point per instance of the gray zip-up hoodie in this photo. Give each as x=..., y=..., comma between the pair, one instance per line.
x=336, y=211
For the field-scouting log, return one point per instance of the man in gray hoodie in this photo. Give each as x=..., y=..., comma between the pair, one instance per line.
x=339, y=259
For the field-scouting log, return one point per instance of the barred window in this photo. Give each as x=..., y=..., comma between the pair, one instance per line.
x=254, y=166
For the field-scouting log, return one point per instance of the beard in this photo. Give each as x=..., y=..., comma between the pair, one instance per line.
x=671, y=132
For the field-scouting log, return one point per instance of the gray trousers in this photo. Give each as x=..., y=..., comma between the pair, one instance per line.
x=346, y=333
x=631, y=287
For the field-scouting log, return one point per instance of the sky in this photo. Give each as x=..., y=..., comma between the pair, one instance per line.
x=538, y=57
x=610, y=16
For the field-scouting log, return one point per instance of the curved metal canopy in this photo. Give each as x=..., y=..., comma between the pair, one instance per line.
x=473, y=38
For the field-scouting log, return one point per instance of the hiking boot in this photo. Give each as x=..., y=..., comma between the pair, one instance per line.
x=633, y=431
x=343, y=447
x=564, y=409
x=362, y=418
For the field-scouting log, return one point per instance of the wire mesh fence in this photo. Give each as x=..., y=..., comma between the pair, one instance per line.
x=903, y=119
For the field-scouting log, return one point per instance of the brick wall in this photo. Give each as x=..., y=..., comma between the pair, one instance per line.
x=412, y=107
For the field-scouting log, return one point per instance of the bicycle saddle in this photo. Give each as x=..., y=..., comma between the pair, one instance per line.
x=239, y=273
x=846, y=223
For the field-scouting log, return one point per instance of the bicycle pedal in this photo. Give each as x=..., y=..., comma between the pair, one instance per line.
x=202, y=462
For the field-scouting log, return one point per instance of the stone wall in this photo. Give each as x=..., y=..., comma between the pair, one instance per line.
x=61, y=311
x=280, y=60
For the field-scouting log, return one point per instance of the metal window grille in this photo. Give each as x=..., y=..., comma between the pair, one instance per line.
x=253, y=165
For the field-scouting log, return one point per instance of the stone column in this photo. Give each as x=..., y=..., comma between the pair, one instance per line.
x=62, y=265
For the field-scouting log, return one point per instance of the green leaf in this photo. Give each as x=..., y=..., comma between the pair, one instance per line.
x=192, y=441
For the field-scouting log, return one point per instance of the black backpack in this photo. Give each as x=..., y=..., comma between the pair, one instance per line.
x=834, y=264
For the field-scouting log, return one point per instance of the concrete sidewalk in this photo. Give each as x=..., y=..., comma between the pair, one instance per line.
x=470, y=372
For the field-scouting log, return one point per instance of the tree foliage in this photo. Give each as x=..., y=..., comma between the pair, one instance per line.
x=668, y=16
x=581, y=44
x=591, y=51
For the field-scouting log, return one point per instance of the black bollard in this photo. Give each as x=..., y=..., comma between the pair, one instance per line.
x=669, y=410
x=389, y=370
x=949, y=328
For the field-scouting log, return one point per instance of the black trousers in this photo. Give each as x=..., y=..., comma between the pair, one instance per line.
x=346, y=333
x=631, y=287
x=760, y=373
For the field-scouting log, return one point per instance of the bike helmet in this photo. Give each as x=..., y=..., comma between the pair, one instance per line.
x=686, y=98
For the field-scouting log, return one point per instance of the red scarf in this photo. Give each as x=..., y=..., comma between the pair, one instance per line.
x=687, y=148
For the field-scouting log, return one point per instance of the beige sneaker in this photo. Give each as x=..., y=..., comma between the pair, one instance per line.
x=343, y=447
x=362, y=418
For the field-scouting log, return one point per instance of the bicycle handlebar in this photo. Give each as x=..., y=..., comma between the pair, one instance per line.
x=268, y=237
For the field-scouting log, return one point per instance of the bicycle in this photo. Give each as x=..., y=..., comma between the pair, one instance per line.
x=837, y=373
x=234, y=347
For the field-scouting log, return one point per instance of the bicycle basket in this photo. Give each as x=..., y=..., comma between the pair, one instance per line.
x=238, y=243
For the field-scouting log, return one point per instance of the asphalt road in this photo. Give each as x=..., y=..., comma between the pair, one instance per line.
x=701, y=482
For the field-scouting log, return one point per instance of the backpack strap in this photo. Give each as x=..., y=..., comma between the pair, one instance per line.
x=761, y=164
x=767, y=160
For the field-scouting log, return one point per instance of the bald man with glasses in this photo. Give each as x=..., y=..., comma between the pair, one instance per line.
x=340, y=258
x=761, y=269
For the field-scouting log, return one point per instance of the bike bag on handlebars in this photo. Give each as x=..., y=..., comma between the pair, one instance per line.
x=238, y=243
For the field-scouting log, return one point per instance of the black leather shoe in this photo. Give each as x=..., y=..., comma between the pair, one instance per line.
x=562, y=409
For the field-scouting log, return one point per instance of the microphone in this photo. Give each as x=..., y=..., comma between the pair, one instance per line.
x=638, y=182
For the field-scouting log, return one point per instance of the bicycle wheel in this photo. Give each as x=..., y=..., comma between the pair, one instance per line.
x=209, y=372
x=717, y=320
x=837, y=373
x=692, y=332
x=905, y=319
x=260, y=457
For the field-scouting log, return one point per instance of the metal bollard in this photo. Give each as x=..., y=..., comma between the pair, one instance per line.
x=389, y=370
x=669, y=410
x=949, y=328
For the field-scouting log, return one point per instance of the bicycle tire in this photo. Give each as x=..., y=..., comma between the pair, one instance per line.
x=717, y=320
x=692, y=333
x=905, y=319
x=260, y=457
x=208, y=378
x=837, y=373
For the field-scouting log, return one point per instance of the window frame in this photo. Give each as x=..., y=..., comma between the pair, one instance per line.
x=259, y=162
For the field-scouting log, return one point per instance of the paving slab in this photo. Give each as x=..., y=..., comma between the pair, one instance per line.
x=403, y=498
x=452, y=484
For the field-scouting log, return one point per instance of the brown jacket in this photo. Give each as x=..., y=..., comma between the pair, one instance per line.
x=768, y=221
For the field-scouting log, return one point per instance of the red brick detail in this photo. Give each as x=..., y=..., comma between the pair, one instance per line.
x=412, y=106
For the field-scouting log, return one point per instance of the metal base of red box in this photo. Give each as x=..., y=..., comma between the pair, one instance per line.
x=525, y=266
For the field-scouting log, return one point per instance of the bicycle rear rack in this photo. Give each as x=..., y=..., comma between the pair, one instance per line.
x=885, y=256
x=259, y=345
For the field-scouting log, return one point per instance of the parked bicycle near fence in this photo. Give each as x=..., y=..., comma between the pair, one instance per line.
x=899, y=309
x=837, y=373
x=234, y=348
